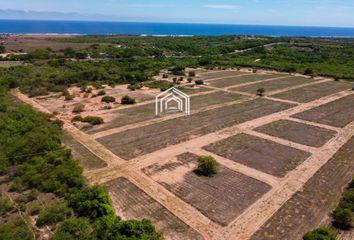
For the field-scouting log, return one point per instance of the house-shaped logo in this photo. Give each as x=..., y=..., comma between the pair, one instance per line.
x=172, y=100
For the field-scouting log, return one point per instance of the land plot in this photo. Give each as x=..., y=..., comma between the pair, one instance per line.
x=147, y=112
x=221, y=198
x=312, y=207
x=261, y=154
x=87, y=159
x=139, y=141
x=227, y=82
x=7, y=64
x=132, y=203
x=338, y=113
x=313, y=92
x=274, y=85
x=212, y=75
x=298, y=132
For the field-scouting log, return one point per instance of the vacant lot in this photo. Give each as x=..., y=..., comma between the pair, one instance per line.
x=221, y=198
x=338, y=113
x=7, y=64
x=310, y=93
x=132, y=203
x=227, y=82
x=274, y=85
x=219, y=74
x=135, y=142
x=261, y=154
x=87, y=159
x=298, y=132
x=147, y=112
x=312, y=207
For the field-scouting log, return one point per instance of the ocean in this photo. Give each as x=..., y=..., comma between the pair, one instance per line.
x=163, y=29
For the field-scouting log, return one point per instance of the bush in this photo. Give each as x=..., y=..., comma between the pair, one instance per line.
x=101, y=93
x=108, y=99
x=135, y=86
x=5, y=206
x=78, y=228
x=78, y=108
x=190, y=80
x=343, y=218
x=128, y=100
x=92, y=120
x=260, y=92
x=165, y=75
x=308, y=71
x=77, y=118
x=192, y=74
x=34, y=208
x=67, y=95
x=207, y=166
x=53, y=212
x=320, y=234
x=199, y=82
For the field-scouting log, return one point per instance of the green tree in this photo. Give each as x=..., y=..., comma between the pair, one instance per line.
x=54, y=212
x=320, y=234
x=74, y=229
x=207, y=166
x=2, y=48
x=128, y=100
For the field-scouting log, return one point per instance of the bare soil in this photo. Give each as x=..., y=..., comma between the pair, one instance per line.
x=218, y=74
x=311, y=208
x=135, y=142
x=338, y=113
x=221, y=198
x=261, y=154
x=313, y=92
x=132, y=203
x=87, y=159
x=227, y=82
x=298, y=132
x=274, y=85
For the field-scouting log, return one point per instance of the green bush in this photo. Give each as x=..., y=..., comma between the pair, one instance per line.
x=92, y=120
x=199, y=82
x=54, y=212
x=74, y=229
x=207, y=166
x=260, y=92
x=101, y=93
x=192, y=74
x=78, y=108
x=126, y=100
x=343, y=218
x=34, y=208
x=5, y=206
x=16, y=229
x=320, y=234
x=108, y=99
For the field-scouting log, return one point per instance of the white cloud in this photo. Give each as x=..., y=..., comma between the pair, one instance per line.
x=221, y=6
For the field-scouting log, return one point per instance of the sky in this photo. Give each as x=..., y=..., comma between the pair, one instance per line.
x=338, y=13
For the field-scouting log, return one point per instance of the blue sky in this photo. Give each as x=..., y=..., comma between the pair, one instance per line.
x=267, y=12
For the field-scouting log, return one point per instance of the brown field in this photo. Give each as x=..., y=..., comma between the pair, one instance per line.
x=219, y=74
x=227, y=82
x=132, y=203
x=274, y=85
x=298, y=132
x=139, y=141
x=310, y=93
x=310, y=208
x=87, y=159
x=260, y=154
x=221, y=198
x=338, y=113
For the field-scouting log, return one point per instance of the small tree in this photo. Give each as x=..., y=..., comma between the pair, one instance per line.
x=192, y=74
x=108, y=99
x=79, y=108
x=320, y=234
x=190, y=80
x=199, y=82
x=101, y=93
x=128, y=100
x=92, y=120
x=260, y=92
x=207, y=166
x=2, y=48
x=343, y=218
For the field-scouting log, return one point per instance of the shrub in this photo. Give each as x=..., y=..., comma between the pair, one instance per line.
x=190, y=80
x=78, y=108
x=78, y=228
x=108, y=99
x=165, y=75
x=254, y=70
x=174, y=80
x=101, y=93
x=199, y=82
x=192, y=74
x=34, y=208
x=92, y=120
x=207, y=166
x=308, y=71
x=67, y=95
x=77, y=118
x=32, y=195
x=53, y=212
x=260, y=92
x=5, y=206
x=135, y=86
x=343, y=218
x=320, y=234
x=128, y=100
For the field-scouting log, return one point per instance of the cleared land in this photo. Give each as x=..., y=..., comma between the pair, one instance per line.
x=86, y=158
x=227, y=82
x=338, y=113
x=221, y=198
x=219, y=74
x=147, y=112
x=274, y=85
x=135, y=142
x=260, y=154
x=313, y=92
x=298, y=132
x=132, y=203
x=312, y=207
